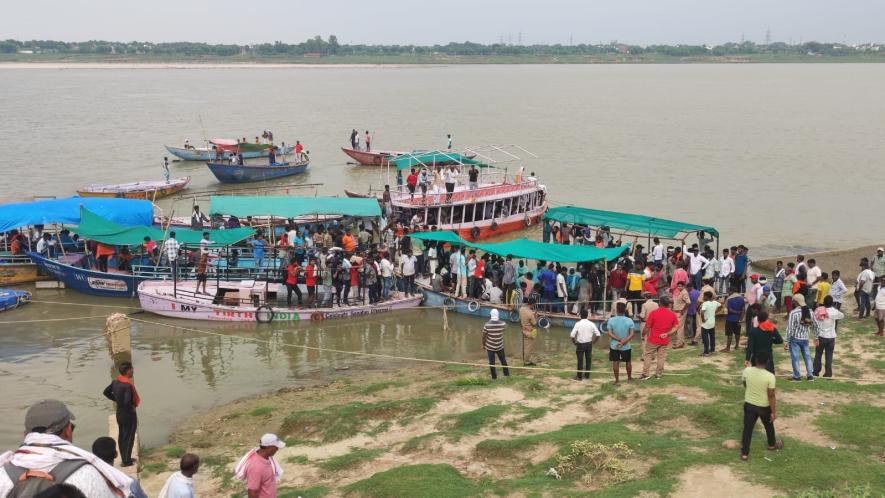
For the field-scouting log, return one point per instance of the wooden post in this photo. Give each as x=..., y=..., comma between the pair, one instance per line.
x=118, y=333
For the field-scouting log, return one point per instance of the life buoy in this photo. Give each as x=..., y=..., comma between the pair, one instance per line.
x=603, y=326
x=494, y=226
x=514, y=316
x=317, y=316
x=474, y=232
x=266, y=311
x=544, y=322
x=527, y=221
x=472, y=305
x=448, y=302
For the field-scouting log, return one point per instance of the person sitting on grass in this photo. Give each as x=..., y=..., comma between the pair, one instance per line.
x=760, y=402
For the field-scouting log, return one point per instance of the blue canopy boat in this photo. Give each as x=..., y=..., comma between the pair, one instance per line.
x=243, y=173
x=10, y=298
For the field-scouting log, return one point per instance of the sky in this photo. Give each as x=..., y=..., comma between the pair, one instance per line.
x=425, y=23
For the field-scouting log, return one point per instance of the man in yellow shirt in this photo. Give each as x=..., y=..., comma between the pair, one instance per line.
x=635, y=279
x=823, y=288
x=759, y=403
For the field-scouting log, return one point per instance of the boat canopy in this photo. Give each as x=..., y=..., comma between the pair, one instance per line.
x=429, y=158
x=291, y=207
x=123, y=211
x=635, y=223
x=95, y=227
x=531, y=249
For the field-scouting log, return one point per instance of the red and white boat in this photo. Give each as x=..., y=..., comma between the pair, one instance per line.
x=497, y=204
x=249, y=301
x=373, y=158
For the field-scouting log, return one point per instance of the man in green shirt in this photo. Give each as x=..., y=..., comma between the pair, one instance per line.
x=759, y=403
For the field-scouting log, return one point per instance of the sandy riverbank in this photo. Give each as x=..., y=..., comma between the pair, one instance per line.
x=454, y=430
x=844, y=260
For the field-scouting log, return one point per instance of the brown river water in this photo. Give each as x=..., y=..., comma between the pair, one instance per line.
x=779, y=157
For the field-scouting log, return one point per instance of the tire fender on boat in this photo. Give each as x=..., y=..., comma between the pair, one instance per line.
x=448, y=302
x=494, y=226
x=474, y=232
x=264, y=309
x=527, y=221
x=514, y=316
x=317, y=316
x=472, y=305
x=544, y=322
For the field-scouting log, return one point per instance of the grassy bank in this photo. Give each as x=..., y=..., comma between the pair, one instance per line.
x=452, y=431
x=437, y=59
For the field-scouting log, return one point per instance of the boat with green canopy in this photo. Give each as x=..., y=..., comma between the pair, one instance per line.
x=143, y=261
x=518, y=249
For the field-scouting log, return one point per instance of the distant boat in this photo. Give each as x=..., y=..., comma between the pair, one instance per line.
x=227, y=147
x=373, y=158
x=150, y=190
x=243, y=173
x=10, y=298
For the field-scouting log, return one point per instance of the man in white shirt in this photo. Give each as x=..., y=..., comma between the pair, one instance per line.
x=814, y=274
x=181, y=483
x=172, y=247
x=863, y=289
x=495, y=295
x=386, y=277
x=408, y=264
x=880, y=307
x=837, y=290
x=657, y=252
x=696, y=265
x=583, y=335
x=726, y=270
x=561, y=290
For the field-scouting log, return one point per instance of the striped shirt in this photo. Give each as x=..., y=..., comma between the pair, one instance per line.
x=172, y=246
x=494, y=332
x=795, y=328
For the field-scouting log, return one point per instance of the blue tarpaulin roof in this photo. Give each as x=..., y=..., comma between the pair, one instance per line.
x=123, y=211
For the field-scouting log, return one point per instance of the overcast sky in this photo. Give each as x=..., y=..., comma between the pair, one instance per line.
x=422, y=22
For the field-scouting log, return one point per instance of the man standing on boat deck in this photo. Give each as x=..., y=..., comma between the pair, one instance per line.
x=508, y=279
x=408, y=264
x=353, y=140
x=122, y=392
x=450, y=176
x=172, y=247
x=473, y=177
x=203, y=263
x=461, y=265
x=368, y=141
x=449, y=137
x=198, y=218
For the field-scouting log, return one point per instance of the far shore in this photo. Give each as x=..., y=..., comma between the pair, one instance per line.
x=191, y=65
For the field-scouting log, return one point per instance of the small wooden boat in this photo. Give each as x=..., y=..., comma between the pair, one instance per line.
x=18, y=270
x=354, y=195
x=249, y=151
x=243, y=173
x=10, y=298
x=247, y=301
x=373, y=158
x=150, y=190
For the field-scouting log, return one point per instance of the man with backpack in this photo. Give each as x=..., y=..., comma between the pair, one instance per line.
x=48, y=457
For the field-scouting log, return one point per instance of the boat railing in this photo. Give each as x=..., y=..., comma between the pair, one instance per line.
x=462, y=195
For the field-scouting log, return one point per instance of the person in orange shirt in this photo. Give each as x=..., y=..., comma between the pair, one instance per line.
x=103, y=252
x=348, y=243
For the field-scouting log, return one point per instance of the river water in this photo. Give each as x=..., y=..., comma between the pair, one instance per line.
x=779, y=157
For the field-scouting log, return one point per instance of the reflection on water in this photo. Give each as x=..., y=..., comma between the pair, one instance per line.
x=179, y=372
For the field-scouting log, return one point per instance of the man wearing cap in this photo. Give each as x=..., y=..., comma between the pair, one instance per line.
x=259, y=470
x=47, y=457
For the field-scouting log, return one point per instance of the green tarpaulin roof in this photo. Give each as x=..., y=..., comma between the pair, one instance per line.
x=290, y=207
x=429, y=158
x=531, y=249
x=94, y=227
x=636, y=223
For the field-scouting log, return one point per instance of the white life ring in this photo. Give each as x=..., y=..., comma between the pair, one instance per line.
x=472, y=305
x=544, y=322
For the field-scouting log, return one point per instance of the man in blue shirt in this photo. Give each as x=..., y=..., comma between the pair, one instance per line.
x=621, y=330
x=547, y=278
x=740, y=267
x=734, y=305
x=258, y=250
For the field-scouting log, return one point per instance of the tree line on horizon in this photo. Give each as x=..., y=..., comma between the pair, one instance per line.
x=317, y=46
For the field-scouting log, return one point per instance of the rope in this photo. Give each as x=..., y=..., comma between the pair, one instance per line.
x=55, y=319
x=84, y=304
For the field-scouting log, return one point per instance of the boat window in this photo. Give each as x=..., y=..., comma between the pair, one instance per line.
x=457, y=215
x=445, y=215
x=469, y=213
x=490, y=210
x=432, y=216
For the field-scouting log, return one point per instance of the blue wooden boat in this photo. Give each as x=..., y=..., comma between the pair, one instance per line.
x=243, y=173
x=483, y=309
x=10, y=298
x=92, y=282
x=209, y=154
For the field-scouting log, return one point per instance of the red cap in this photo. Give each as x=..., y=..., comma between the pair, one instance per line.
x=754, y=276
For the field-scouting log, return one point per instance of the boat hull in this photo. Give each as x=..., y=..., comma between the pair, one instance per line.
x=94, y=283
x=376, y=158
x=506, y=225
x=10, y=298
x=145, y=190
x=156, y=298
x=20, y=273
x=209, y=155
x=484, y=309
x=227, y=173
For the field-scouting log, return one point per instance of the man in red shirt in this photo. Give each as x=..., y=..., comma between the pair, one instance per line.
x=310, y=279
x=617, y=281
x=659, y=326
x=299, y=149
x=412, y=182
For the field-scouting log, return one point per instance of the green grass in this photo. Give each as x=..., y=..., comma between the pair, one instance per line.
x=439, y=481
x=877, y=365
x=154, y=468
x=220, y=468
x=339, y=422
x=418, y=443
x=174, y=452
x=261, y=411
x=380, y=386
x=856, y=424
x=297, y=459
x=356, y=457
x=473, y=421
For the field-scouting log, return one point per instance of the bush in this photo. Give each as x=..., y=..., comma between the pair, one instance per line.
x=589, y=462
